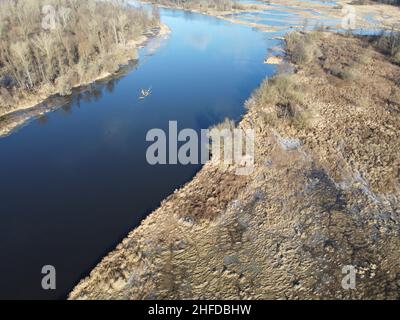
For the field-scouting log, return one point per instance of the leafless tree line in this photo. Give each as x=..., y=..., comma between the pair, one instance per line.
x=88, y=39
x=393, y=2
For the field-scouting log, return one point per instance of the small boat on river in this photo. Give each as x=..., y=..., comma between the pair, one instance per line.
x=145, y=94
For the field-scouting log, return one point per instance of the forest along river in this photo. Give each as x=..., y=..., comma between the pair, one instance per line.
x=75, y=181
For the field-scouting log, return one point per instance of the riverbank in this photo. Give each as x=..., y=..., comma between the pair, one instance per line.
x=324, y=195
x=30, y=105
x=223, y=14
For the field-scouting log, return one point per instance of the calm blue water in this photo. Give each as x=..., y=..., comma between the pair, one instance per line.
x=76, y=181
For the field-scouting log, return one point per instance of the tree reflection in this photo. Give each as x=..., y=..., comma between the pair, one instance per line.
x=67, y=108
x=87, y=94
x=43, y=120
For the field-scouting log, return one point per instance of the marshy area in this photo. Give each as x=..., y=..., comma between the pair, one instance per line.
x=324, y=192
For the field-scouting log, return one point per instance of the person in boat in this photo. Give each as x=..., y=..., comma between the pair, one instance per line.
x=145, y=93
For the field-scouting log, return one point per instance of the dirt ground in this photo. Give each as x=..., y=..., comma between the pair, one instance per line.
x=324, y=195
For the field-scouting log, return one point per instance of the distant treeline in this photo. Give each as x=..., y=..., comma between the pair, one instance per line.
x=218, y=5
x=391, y=2
x=53, y=45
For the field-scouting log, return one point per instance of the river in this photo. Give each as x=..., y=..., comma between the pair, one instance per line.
x=75, y=181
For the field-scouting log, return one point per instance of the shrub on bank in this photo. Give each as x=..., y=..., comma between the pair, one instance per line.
x=302, y=47
x=343, y=74
x=389, y=44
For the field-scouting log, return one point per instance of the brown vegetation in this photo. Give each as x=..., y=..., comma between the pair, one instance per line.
x=361, y=82
x=323, y=195
x=388, y=44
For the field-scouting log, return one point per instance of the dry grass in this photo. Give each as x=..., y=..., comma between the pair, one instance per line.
x=280, y=89
x=302, y=47
x=227, y=124
x=281, y=99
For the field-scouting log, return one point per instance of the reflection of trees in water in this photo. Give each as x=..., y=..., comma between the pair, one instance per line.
x=91, y=93
x=189, y=16
x=87, y=94
x=97, y=94
x=77, y=100
x=110, y=86
x=43, y=120
x=94, y=91
x=67, y=108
